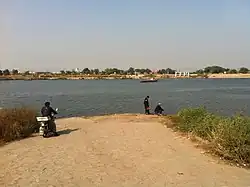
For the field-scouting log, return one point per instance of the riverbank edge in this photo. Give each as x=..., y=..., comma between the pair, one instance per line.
x=198, y=115
x=125, y=77
x=32, y=119
x=170, y=121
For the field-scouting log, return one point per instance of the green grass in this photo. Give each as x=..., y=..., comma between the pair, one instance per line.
x=229, y=137
x=17, y=123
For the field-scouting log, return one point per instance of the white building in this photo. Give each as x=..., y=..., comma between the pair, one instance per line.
x=184, y=74
x=77, y=70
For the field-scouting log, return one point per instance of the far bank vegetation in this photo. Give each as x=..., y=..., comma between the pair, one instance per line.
x=119, y=73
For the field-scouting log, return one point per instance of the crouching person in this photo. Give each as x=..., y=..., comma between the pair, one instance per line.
x=158, y=109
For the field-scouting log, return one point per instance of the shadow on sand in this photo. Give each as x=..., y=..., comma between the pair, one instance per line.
x=67, y=131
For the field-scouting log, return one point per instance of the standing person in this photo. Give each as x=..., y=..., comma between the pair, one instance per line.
x=146, y=105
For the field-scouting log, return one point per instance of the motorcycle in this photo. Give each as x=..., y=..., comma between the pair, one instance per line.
x=44, y=124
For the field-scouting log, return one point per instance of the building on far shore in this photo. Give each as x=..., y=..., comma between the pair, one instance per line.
x=57, y=73
x=180, y=74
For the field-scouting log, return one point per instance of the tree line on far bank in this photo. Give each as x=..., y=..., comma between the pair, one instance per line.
x=132, y=71
x=219, y=69
x=110, y=71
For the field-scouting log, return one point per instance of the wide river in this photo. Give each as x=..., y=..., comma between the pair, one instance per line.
x=97, y=97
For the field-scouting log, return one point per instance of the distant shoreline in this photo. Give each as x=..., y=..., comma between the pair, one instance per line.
x=120, y=77
x=229, y=76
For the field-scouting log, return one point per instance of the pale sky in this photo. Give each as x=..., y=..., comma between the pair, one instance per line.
x=179, y=34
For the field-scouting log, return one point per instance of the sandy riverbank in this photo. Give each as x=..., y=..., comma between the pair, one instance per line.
x=118, y=150
x=229, y=76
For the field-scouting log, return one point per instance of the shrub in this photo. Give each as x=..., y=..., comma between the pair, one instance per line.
x=198, y=121
x=228, y=136
x=17, y=123
x=231, y=138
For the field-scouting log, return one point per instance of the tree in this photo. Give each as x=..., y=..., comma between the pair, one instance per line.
x=109, y=71
x=96, y=71
x=73, y=72
x=200, y=71
x=1, y=72
x=121, y=72
x=232, y=71
x=142, y=71
x=214, y=69
x=27, y=73
x=68, y=72
x=14, y=72
x=170, y=71
x=166, y=71
x=130, y=71
x=62, y=72
x=161, y=71
x=244, y=70
x=6, y=72
x=86, y=71
x=148, y=71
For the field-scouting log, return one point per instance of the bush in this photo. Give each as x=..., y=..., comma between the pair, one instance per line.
x=231, y=138
x=228, y=136
x=17, y=123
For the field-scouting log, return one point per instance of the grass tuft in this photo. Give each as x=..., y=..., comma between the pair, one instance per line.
x=228, y=137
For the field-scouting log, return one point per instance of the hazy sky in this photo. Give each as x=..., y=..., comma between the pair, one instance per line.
x=180, y=34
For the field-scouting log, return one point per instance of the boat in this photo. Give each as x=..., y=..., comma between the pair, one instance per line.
x=149, y=80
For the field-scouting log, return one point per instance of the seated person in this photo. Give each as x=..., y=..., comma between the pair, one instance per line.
x=158, y=109
x=47, y=110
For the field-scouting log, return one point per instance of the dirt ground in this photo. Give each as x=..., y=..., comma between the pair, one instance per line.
x=119, y=150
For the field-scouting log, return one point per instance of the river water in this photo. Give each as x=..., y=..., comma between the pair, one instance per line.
x=97, y=97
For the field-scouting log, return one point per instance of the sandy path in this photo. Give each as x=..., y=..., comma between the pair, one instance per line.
x=113, y=151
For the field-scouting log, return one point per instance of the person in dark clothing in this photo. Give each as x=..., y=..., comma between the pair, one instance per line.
x=158, y=109
x=48, y=111
x=146, y=105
